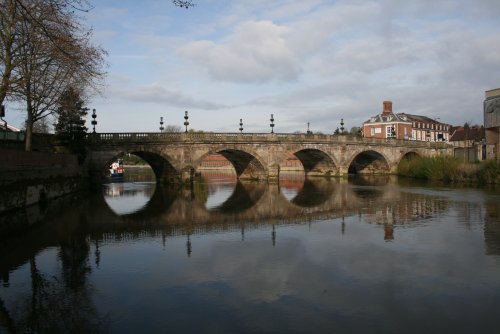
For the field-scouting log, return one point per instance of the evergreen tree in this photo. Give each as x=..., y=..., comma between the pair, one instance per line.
x=71, y=115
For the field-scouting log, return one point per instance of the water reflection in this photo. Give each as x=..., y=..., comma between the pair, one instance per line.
x=303, y=257
x=128, y=197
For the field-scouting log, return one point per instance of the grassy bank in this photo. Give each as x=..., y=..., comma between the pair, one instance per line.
x=449, y=169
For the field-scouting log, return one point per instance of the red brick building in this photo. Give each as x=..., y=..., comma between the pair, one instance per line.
x=404, y=126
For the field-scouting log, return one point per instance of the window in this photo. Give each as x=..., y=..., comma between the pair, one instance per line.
x=390, y=132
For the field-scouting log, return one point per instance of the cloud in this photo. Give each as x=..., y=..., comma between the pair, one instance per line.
x=157, y=94
x=257, y=51
x=312, y=61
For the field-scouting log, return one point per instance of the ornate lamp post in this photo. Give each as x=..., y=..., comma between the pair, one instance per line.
x=308, y=131
x=272, y=123
x=342, y=125
x=241, y=125
x=161, y=124
x=186, y=123
x=94, y=122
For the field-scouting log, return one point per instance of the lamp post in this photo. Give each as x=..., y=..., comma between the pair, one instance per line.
x=342, y=125
x=186, y=123
x=161, y=124
x=308, y=131
x=241, y=125
x=94, y=122
x=272, y=123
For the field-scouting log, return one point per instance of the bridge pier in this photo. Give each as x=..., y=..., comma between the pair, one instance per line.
x=273, y=174
x=187, y=175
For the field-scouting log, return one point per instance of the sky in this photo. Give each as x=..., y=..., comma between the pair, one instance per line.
x=302, y=61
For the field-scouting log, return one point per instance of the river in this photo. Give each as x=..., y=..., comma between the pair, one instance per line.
x=357, y=255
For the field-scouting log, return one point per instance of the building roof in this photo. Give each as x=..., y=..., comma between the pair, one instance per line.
x=423, y=119
x=387, y=117
x=9, y=128
x=475, y=133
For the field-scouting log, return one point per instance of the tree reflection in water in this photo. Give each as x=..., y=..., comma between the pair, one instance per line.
x=60, y=303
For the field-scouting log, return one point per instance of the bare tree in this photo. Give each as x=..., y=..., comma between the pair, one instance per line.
x=183, y=3
x=13, y=14
x=51, y=60
x=173, y=128
x=10, y=18
x=42, y=126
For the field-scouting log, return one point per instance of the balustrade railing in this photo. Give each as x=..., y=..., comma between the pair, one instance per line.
x=216, y=137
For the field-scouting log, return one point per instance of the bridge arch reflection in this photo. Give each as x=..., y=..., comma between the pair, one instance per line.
x=313, y=193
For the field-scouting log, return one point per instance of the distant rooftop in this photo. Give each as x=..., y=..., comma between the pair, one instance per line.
x=474, y=133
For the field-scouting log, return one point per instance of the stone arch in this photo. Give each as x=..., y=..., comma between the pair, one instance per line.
x=369, y=162
x=315, y=162
x=403, y=165
x=246, y=163
x=410, y=155
x=162, y=166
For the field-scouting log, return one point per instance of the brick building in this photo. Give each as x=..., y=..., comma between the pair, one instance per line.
x=404, y=126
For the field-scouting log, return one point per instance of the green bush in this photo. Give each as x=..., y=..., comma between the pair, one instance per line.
x=442, y=168
x=489, y=172
x=450, y=169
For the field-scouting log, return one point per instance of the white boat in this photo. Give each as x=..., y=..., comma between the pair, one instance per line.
x=116, y=169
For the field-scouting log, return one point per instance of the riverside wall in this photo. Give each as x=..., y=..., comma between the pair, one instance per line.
x=28, y=178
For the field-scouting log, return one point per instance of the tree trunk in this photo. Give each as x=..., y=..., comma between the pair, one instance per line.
x=29, y=129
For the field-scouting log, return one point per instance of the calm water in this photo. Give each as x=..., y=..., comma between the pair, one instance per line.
x=315, y=256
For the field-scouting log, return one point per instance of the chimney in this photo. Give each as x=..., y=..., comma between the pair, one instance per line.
x=387, y=108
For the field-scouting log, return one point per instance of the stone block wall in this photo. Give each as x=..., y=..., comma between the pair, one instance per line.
x=27, y=178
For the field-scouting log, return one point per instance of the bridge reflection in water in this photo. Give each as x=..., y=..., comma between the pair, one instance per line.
x=228, y=204
x=312, y=247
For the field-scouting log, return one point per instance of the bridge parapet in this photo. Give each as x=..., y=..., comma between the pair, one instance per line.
x=215, y=137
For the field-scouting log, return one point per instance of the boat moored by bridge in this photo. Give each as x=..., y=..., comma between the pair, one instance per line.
x=116, y=170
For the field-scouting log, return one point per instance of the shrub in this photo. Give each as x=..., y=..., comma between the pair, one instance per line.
x=442, y=168
x=489, y=172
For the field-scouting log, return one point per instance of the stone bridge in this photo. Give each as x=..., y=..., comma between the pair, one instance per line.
x=177, y=157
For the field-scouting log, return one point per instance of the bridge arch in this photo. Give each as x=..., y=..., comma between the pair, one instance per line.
x=246, y=162
x=410, y=155
x=369, y=162
x=315, y=162
x=161, y=164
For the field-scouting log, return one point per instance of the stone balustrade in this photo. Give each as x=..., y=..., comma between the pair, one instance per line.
x=214, y=137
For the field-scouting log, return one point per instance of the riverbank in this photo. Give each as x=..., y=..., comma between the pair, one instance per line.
x=450, y=169
x=28, y=178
